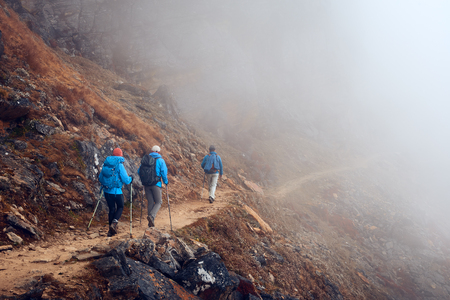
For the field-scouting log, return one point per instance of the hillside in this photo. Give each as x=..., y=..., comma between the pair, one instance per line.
x=293, y=216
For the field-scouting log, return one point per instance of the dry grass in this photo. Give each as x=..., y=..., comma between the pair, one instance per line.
x=66, y=83
x=3, y=94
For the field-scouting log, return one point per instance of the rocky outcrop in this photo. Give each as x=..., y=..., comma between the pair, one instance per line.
x=144, y=268
x=14, y=109
x=208, y=278
x=136, y=280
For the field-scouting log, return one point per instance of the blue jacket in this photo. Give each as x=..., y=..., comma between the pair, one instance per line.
x=161, y=168
x=123, y=176
x=220, y=162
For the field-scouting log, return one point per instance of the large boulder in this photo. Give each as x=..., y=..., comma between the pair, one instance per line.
x=13, y=109
x=208, y=278
x=131, y=279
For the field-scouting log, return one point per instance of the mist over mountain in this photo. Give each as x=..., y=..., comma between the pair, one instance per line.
x=332, y=117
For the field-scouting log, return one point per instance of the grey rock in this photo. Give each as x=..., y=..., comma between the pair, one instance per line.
x=22, y=72
x=207, y=276
x=185, y=251
x=6, y=247
x=94, y=235
x=54, y=169
x=20, y=145
x=139, y=282
x=161, y=266
x=44, y=129
x=82, y=190
x=18, y=223
x=101, y=248
x=55, y=187
x=261, y=260
x=13, y=109
x=92, y=157
x=14, y=238
x=87, y=256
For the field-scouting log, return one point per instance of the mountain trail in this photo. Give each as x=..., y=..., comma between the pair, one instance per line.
x=55, y=255
x=290, y=186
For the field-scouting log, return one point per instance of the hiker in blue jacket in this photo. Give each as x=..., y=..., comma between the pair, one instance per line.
x=212, y=165
x=153, y=192
x=114, y=195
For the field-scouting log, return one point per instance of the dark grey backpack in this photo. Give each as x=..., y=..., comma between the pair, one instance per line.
x=147, y=171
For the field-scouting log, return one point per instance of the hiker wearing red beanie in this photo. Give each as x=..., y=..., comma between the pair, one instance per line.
x=117, y=152
x=112, y=177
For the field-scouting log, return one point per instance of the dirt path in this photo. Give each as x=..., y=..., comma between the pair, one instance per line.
x=18, y=267
x=290, y=186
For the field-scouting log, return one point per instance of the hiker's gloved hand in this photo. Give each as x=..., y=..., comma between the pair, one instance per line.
x=131, y=179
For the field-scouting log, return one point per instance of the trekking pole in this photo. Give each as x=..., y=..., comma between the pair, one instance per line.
x=168, y=203
x=142, y=204
x=131, y=210
x=98, y=202
x=203, y=186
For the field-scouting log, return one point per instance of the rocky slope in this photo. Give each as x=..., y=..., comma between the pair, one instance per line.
x=335, y=225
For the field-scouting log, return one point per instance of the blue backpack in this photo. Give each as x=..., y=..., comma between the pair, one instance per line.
x=212, y=164
x=109, y=175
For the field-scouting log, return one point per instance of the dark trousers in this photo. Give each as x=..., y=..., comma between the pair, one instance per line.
x=115, y=205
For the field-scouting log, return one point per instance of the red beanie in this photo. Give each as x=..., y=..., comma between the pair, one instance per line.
x=117, y=152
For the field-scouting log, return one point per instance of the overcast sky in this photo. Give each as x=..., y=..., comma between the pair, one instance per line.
x=398, y=57
x=401, y=50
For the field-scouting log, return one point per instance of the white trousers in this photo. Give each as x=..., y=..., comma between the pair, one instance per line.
x=212, y=183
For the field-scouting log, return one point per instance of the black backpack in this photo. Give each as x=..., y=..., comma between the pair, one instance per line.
x=147, y=171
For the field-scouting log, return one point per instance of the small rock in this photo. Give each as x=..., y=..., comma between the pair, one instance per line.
x=14, y=238
x=101, y=248
x=86, y=256
x=94, y=235
x=271, y=277
x=6, y=247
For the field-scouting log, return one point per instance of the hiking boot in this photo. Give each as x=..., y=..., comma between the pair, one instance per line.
x=211, y=199
x=110, y=233
x=151, y=222
x=114, y=227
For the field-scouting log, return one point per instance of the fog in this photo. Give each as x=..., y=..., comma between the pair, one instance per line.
x=400, y=51
x=374, y=67
x=373, y=71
